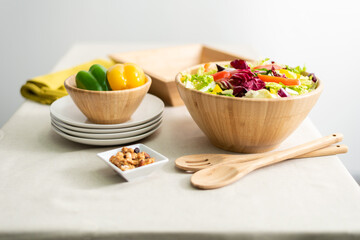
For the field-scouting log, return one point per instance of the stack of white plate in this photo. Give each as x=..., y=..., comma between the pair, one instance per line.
x=69, y=122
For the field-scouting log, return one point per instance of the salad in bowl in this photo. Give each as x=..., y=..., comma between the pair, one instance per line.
x=244, y=79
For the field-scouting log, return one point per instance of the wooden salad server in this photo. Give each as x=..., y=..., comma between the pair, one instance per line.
x=223, y=174
x=197, y=162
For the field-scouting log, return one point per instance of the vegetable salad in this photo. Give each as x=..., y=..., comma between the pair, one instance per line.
x=263, y=79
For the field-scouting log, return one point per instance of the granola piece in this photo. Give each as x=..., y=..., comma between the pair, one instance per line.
x=126, y=167
x=149, y=160
x=126, y=150
x=120, y=154
x=133, y=162
x=129, y=158
x=117, y=161
x=141, y=156
x=133, y=156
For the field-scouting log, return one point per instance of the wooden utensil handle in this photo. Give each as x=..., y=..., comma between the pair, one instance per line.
x=297, y=150
x=326, y=151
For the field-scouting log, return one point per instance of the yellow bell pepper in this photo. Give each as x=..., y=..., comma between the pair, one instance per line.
x=125, y=76
x=272, y=91
x=289, y=74
x=217, y=89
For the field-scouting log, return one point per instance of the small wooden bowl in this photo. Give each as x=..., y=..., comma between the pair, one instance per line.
x=107, y=107
x=244, y=124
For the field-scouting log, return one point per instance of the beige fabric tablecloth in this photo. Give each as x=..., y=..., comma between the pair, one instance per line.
x=51, y=188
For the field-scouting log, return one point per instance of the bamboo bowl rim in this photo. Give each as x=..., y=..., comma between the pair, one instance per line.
x=67, y=84
x=317, y=90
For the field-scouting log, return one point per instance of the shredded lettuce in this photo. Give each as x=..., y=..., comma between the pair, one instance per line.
x=274, y=86
x=262, y=93
x=204, y=83
x=208, y=88
x=201, y=70
x=211, y=72
x=228, y=93
x=299, y=89
x=298, y=69
x=306, y=82
x=189, y=84
x=292, y=91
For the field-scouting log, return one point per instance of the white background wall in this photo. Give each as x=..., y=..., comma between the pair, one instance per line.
x=325, y=35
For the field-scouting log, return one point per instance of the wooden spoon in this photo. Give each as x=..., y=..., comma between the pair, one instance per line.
x=197, y=162
x=221, y=175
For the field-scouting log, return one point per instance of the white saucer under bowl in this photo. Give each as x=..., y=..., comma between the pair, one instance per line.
x=105, y=130
x=104, y=142
x=65, y=110
x=108, y=135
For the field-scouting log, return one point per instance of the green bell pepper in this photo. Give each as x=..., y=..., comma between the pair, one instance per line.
x=95, y=79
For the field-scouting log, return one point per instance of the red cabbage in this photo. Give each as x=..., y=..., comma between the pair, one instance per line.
x=283, y=93
x=244, y=80
x=275, y=74
x=239, y=64
x=239, y=91
x=314, y=78
x=225, y=84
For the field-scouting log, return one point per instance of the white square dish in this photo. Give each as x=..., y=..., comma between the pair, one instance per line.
x=138, y=172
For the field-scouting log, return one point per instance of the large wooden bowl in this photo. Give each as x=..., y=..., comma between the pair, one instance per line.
x=243, y=124
x=107, y=107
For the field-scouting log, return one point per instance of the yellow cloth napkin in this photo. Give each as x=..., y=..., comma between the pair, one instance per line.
x=47, y=88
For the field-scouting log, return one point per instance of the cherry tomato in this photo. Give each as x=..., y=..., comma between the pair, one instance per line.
x=221, y=75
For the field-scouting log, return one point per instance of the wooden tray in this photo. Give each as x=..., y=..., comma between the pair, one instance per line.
x=163, y=64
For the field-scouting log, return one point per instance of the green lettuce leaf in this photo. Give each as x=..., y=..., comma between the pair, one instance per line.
x=228, y=92
x=275, y=86
x=297, y=90
x=298, y=69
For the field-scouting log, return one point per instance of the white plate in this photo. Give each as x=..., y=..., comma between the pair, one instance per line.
x=107, y=135
x=136, y=172
x=65, y=110
x=110, y=130
x=104, y=142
